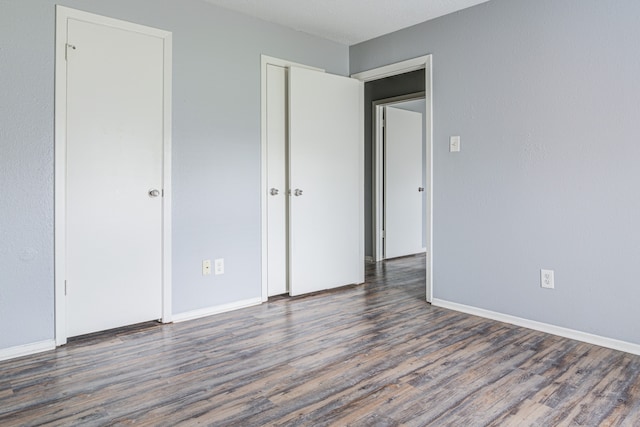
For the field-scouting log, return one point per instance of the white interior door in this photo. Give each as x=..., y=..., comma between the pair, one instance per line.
x=114, y=159
x=402, y=183
x=326, y=181
x=276, y=179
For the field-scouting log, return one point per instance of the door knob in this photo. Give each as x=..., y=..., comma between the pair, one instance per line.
x=154, y=193
x=297, y=192
x=421, y=189
x=273, y=191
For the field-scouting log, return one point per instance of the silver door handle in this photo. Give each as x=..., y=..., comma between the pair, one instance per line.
x=297, y=192
x=154, y=193
x=273, y=191
x=421, y=189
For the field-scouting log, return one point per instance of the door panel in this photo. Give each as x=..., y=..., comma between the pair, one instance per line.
x=326, y=165
x=114, y=157
x=403, y=178
x=276, y=180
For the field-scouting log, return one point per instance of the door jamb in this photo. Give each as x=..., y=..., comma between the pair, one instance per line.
x=264, y=61
x=378, y=167
x=423, y=62
x=60, y=164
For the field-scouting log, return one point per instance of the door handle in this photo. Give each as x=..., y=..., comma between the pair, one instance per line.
x=273, y=191
x=297, y=192
x=154, y=193
x=421, y=189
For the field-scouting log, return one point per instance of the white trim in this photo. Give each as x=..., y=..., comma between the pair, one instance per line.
x=62, y=15
x=264, y=61
x=377, y=155
x=542, y=327
x=401, y=68
x=167, y=190
x=60, y=194
x=428, y=96
x=392, y=69
x=209, y=311
x=26, y=349
x=361, y=251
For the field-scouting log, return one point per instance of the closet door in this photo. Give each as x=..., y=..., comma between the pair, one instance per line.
x=276, y=180
x=326, y=156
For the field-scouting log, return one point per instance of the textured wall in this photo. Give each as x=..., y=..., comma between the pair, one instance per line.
x=216, y=149
x=26, y=177
x=544, y=94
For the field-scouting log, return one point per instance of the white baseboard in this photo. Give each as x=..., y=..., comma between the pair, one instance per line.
x=27, y=349
x=542, y=327
x=209, y=311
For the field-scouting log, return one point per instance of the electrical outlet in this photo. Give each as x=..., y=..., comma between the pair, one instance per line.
x=218, y=266
x=206, y=267
x=546, y=279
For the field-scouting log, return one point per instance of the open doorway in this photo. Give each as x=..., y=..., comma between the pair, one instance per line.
x=399, y=176
x=396, y=80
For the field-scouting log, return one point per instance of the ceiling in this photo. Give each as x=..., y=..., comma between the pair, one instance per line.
x=346, y=21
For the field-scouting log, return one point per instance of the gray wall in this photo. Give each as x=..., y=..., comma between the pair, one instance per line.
x=545, y=95
x=216, y=149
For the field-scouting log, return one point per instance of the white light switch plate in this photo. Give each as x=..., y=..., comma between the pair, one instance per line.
x=218, y=266
x=454, y=144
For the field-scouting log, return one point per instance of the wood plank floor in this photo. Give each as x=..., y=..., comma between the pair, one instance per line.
x=368, y=355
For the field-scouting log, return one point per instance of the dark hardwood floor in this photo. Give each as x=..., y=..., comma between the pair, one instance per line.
x=370, y=355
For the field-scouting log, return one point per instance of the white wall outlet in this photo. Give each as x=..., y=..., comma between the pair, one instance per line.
x=454, y=144
x=218, y=266
x=546, y=279
x=206, y=267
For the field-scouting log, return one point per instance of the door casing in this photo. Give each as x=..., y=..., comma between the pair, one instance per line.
x=422, y=62
x=62, y=15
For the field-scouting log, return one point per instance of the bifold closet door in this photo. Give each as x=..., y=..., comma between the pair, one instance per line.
x=326, y=157
x=276, y=180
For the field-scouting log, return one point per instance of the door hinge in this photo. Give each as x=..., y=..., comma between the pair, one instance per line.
x=68, y=46
x=65, y=288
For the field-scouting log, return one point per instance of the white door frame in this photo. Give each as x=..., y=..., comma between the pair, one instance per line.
x=264, y=61
x=60, y=226
x=423, y=62
x=378, y=167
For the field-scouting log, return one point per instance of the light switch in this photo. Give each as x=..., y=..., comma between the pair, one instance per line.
x=454, y=144
x=218, y=266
